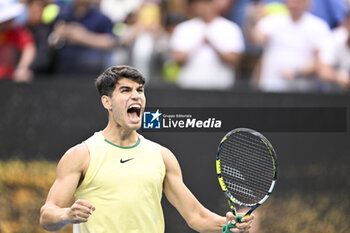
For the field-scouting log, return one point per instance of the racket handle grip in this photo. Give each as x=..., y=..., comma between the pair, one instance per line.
x=226, y=228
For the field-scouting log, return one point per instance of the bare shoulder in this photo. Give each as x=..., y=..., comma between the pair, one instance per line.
x=171, y=164
x=169, y=158
x=166, y=153
x=76, y=159
x=163, y=150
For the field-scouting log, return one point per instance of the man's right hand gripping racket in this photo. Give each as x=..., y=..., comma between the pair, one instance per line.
x=246, y=166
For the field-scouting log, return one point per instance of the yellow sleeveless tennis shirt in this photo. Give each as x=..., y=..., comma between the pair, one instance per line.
x=125, y=184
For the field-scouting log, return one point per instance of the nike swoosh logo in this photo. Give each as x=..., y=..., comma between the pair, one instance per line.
x=124, y=161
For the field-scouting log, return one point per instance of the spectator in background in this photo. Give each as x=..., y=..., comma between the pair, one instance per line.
x=332, y=11
x=43, y=61
x=170, y=68
x=142, y=39
x=83, y=37
x=144, y=42
x=15, y=41
x=119, y=10
x=207, y=47
x=291, y=48
x=126, y=32
x=236, y=10
x=335, y=63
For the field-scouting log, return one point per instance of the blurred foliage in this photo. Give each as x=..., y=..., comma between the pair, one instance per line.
x=24, y=187
x=23, y=190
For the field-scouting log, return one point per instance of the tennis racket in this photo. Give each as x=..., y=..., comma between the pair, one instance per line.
x=246, y=166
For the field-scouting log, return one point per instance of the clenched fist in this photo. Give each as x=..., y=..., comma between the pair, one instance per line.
x=80, y=211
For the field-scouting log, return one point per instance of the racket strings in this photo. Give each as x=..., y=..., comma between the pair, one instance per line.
x=261, y=159
x=260, y=182
x=257, y=167
x=237, y=175
x=246, y=167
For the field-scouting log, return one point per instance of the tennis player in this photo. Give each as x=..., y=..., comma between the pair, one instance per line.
x=117, y=177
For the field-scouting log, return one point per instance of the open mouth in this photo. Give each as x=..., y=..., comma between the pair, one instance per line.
x=134, y=112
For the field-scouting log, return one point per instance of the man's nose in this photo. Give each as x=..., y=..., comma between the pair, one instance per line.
x=135, y=95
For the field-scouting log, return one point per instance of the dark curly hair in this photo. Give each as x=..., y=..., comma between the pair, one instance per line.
x=105, y=83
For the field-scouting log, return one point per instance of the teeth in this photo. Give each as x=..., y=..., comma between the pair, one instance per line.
x=135, y=106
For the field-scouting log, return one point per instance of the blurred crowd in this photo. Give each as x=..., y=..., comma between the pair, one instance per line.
x=265, y=45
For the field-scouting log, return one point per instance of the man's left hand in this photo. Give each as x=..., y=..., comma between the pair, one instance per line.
x=242, y=227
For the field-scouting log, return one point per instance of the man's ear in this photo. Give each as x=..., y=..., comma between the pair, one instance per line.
x=106, y=102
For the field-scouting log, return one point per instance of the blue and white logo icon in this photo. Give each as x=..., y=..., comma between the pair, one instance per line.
x=151, y=120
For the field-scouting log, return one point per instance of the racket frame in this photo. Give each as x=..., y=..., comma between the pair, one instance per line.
x=231, y=199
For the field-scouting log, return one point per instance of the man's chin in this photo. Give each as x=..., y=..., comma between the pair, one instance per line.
x=135, y=126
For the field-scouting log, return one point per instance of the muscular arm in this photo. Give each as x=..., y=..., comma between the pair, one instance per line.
x=58, y=211
x=195, y=214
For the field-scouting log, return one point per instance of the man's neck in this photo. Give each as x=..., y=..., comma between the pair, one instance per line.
x=297, y=16
x=209, y=19
x=120, y=136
